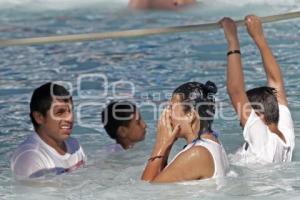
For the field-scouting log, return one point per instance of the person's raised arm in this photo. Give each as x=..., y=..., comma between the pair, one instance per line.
x=235, y=77
x=271, y=66
x=160, y=153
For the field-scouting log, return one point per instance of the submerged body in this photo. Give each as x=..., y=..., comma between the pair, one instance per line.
x=160, y=4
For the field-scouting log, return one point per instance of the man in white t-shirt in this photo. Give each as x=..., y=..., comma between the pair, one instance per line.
x=50, y=150
x=263, y=112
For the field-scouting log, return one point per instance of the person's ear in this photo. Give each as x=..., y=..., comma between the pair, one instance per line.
x=195, y=119
x=122, y=131
x=191, y=116
x=38, y=117
x=261, y=116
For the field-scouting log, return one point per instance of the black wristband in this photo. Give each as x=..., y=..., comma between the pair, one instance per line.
x=234, y=52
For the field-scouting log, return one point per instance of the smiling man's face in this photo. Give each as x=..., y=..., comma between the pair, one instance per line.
x=58, y=122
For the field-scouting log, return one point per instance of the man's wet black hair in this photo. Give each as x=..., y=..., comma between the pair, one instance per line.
x=202, y=98
x=264, y=99
x=42, y=98
x=116, y=114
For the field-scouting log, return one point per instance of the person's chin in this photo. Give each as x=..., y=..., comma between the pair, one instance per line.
x=66, y=133
x=142, y=138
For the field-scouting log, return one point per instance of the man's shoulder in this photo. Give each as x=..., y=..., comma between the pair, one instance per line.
x=27, y=158
x=285, y=115
x=286, y=125
x=29, y=144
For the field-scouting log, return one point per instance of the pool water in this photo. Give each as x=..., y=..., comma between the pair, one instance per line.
x=147, y=70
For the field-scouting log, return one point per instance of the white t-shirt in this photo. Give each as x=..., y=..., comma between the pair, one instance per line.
x=217, y=152
x=261, y=145
x=35, y=158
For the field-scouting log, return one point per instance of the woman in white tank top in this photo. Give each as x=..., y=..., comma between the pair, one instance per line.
x=190, y=115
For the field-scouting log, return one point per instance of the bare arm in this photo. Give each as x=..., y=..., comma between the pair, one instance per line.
x=164, y=141
x=235, y=77
x=272, y=69
x=157, y=162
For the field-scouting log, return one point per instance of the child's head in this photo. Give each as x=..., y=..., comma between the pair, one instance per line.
x=123, y=122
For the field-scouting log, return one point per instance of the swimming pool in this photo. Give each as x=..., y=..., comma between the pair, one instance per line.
x=153, y=67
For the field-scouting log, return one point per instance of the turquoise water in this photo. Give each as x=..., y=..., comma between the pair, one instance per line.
x=155, y=66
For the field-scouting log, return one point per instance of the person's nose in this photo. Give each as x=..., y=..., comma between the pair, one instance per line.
x=69, y=116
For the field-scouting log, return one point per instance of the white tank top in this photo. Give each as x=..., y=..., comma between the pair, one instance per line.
x=217, y=152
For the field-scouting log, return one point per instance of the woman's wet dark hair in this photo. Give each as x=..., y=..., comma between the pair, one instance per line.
x=202, y=98
x=42, y=98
